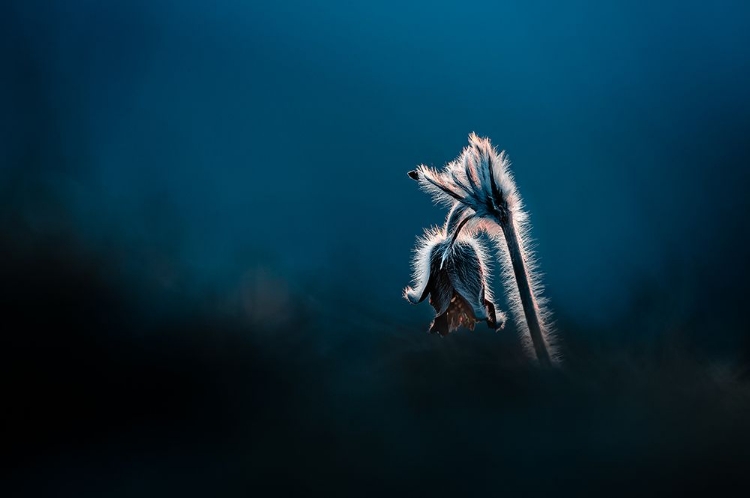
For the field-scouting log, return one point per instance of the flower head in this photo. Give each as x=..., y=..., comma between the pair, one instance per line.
x=458, y=289
x=478, y=185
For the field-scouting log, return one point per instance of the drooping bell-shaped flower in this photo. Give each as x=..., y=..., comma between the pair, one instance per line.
x=458, y=288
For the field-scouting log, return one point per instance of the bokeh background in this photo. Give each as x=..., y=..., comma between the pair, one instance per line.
x=206, y=225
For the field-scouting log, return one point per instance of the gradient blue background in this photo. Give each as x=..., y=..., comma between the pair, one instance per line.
x=247, y=161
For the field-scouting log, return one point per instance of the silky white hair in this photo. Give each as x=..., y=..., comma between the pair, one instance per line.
x=479, y=188
x=431, y=241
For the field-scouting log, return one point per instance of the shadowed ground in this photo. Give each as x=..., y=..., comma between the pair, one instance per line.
x=115, y=385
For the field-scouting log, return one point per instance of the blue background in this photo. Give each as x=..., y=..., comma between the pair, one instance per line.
x=214, y=196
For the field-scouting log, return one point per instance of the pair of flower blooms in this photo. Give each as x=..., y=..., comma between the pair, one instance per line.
x=451, y=265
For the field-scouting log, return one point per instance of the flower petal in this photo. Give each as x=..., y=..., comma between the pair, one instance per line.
x=440, y=325
x=466, y=274
x=425, y=252
x=439, y=185
x=441, y=289
x=495, y=319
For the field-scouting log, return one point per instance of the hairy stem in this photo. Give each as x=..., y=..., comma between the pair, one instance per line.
x=524, y=289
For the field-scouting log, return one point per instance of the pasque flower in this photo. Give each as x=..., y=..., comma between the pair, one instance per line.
x=458, y=288
x=479, y=188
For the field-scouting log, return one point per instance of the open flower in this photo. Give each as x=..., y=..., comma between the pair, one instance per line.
x=458, y=289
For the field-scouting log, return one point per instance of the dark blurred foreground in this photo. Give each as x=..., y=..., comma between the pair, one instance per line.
x=170, y=327
x=123, y=385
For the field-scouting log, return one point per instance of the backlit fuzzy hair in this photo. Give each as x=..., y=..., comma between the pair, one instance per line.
x=482, y=194
x=431, y=241
x=534, y=276
x=476, y=179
